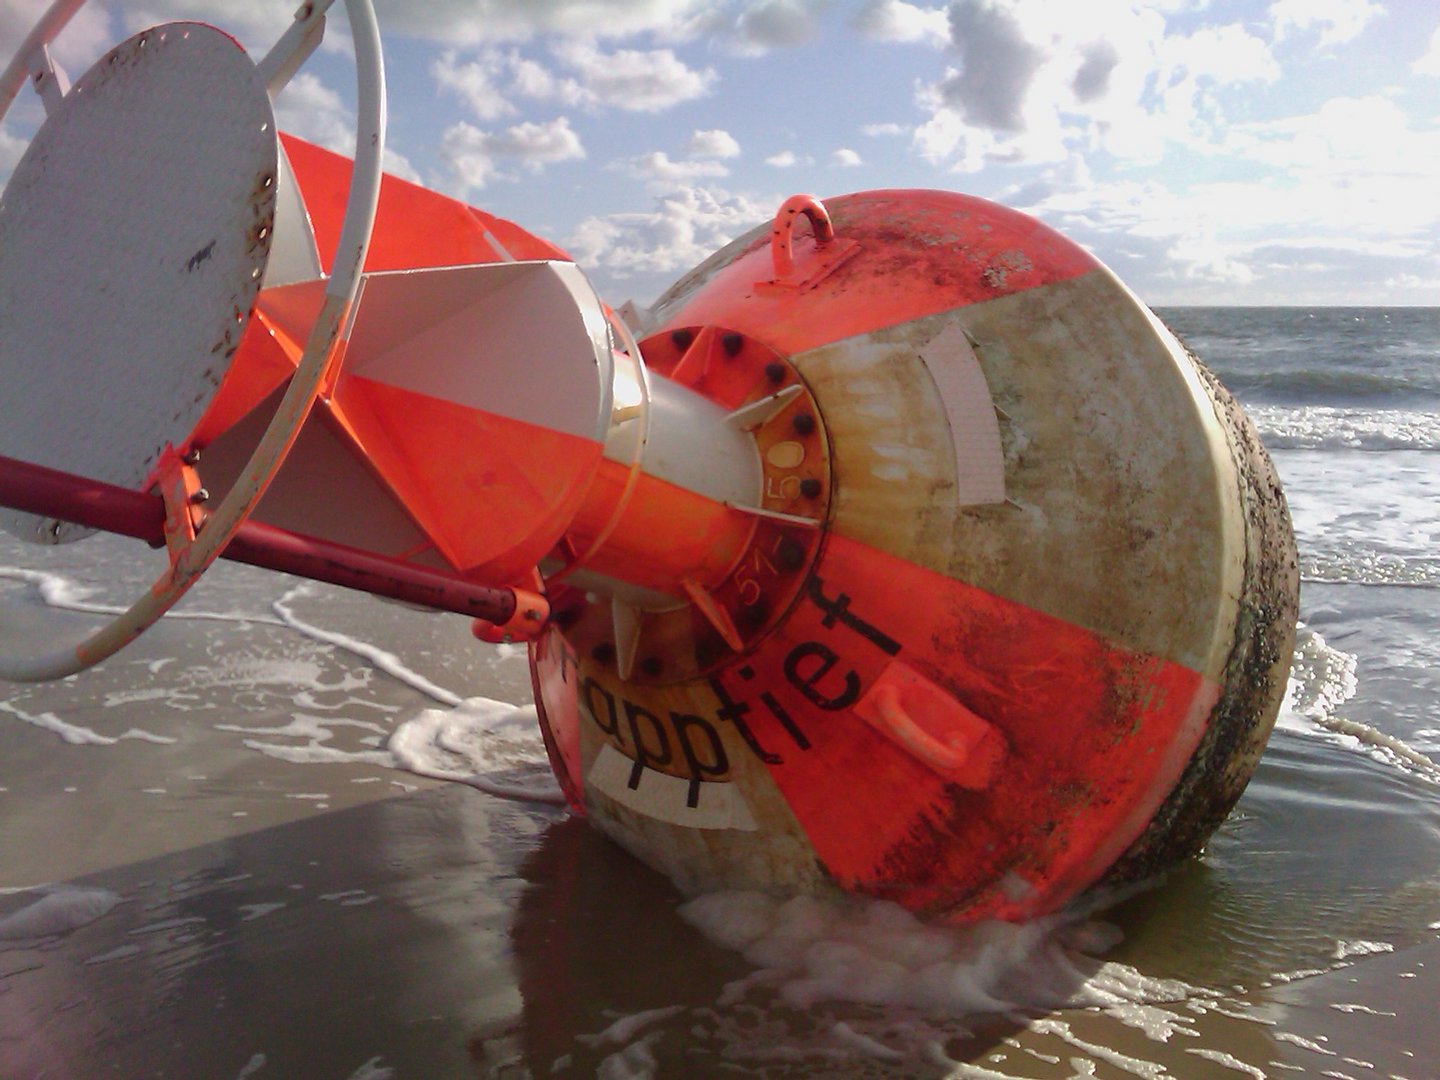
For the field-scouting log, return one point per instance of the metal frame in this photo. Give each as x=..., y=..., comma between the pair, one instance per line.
x=193, y=555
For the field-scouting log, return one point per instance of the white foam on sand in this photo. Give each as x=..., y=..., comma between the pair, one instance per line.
x=493, y=746
x=59, y=592
x=372, y=654
x=1322, y=680
x=63, y=594
x=811, y=949
x=61, y=909
x=317, y=733
x=75, y=734
x=874, y=982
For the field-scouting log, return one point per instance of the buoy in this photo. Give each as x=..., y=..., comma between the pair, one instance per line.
x=1015, y=611
x=897, y=550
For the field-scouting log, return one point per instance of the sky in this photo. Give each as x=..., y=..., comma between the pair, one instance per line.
x=1207, y=151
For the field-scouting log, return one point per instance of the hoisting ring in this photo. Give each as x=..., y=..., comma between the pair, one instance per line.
x=782, y=231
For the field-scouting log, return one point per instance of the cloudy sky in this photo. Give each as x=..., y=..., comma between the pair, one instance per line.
x=1209, y=151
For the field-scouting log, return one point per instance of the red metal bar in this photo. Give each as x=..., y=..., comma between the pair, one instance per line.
x=35, y=489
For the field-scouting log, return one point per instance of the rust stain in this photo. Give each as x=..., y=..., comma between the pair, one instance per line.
x=1253, y=685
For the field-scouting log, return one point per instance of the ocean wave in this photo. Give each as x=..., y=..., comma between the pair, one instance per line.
x=1322, y=679
x=1322, y=427
x=1348, y=567
x=1309, y=384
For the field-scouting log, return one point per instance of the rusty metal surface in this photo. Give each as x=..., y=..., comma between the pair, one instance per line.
x=1117, y=607
x=1116, y=517
x=1254, y=680
x=133, y=236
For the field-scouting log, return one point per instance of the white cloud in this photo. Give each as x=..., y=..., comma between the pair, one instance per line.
x=1035, y=81
x=1429, y=64
x=878, y=130
x=312, y=110
x=657, y=168
x=475, y=156
x=84, y=40
x=1345, y=136
x=846, y=158
x=628, y=79
x=786, y=159
x=772, y=24
x=1312, y=206
x=471, y=82
x=471, y=22
x=1335, y=21
x=714, y=143
x=638, y=81
x=532, y=79
x=647, y=250
x=896, y=20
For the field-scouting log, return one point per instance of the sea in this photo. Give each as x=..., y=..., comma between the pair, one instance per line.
x=295, y=832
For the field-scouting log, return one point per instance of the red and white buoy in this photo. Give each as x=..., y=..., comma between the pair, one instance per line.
x=897, y=550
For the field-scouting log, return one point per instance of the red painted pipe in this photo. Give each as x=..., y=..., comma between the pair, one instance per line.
x=35, y=489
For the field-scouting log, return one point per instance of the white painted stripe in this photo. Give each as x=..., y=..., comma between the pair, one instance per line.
x=970, y=412
x=664, y=797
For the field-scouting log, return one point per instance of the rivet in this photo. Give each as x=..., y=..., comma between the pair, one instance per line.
x=810, y=487
x=732, y=343
x=604, y=653
x=682, y=338
x=790, y=554
x=803, y=423
x=775, y=372
x=652, y=666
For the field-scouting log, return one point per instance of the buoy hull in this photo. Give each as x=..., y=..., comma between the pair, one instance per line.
x=1040, y=631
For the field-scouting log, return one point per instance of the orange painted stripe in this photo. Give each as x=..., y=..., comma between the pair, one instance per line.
x=414, y=227
x=664, y=534
x=920, y=253
x=1096, y=737
x=494, y=493
x=261, y=364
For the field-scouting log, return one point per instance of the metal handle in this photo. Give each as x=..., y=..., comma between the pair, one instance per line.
x=782, y=230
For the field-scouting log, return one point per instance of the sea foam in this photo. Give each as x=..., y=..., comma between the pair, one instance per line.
x=61, y=909
x=490, y=745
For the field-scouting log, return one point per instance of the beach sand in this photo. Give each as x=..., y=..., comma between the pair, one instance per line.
x=212, y=867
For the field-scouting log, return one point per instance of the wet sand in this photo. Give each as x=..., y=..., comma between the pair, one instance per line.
x=280, y=901
x=443, y=933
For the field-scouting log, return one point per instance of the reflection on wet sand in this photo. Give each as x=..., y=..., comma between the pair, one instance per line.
x=251, y=888
x=446, y=933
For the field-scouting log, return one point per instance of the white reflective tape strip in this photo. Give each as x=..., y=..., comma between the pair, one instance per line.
x=970, y=412
x=665, y=797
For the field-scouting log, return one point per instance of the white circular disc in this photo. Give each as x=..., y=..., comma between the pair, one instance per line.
x=133, y=237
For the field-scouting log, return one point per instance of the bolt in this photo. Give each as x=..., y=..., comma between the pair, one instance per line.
x=652, y=666
x=604, y=653
x=803, y=423
x=790, y=554
x=200, y=496
x=810, y=487
x=192, y=456
x=682, y=338
x=732, y=343
x=775, y=372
